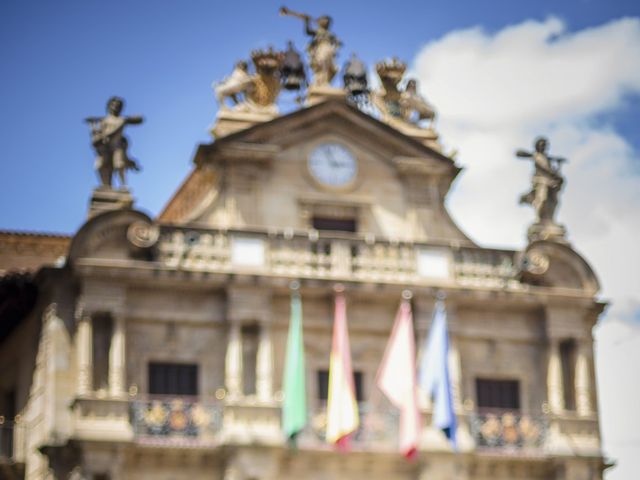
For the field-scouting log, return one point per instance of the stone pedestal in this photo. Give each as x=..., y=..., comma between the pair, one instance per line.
x=230, y=121
x=105, y=199
x=547, y=231
x=317, y=94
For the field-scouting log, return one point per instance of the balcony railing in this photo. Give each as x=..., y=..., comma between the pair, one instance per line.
x=318, y=255
x=176, y=420
x=378, y=429
x=191, y=422
x=508, y=431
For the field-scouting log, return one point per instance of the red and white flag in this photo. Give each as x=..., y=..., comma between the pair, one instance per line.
x=342, y=407
x=397, y=378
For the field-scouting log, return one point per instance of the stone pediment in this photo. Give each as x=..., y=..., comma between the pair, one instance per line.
x=247, y=166
x=332, y=116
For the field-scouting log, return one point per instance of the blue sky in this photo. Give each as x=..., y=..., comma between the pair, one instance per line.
x=62, y=60
x=498, y=73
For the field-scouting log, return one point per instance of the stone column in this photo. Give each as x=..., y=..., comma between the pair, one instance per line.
x=264, y=363
x=583, y=379
x=233, y=361
x=84, y=355
x=117, y=357
x=555, y=393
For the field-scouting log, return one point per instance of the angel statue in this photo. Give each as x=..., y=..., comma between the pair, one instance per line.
x=322, y=47
x=546, y=182
x=110, y=144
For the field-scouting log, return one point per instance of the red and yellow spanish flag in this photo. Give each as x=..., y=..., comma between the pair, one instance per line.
x=342, y=406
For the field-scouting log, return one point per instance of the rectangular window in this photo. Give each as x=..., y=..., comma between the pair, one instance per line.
x=498, y=394
x=335, y=224
x=323, y=385
x=102, y=327
x=173, y=379
x=568, y=362
x=250, y=334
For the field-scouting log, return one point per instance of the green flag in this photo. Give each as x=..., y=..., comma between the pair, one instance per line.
x=294, y=409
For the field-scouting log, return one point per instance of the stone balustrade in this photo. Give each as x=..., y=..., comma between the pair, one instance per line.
x=351, y=257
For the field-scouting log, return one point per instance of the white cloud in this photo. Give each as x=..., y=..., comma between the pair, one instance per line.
x=495, y=93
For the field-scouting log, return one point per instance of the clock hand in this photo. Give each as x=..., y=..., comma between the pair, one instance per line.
x=332, y=159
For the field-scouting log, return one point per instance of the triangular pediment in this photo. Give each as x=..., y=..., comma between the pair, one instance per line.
x=260, y=177
x=332, y=116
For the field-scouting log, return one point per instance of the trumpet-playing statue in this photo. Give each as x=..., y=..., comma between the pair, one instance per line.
x=322, y=47
x=546, y=182
x=110, y=144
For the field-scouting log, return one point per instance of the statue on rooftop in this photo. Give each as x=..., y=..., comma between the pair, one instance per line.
x=546, y=182
x=110, y=144
x=413, y=107
x=255, y=92
x=322, y=47
x=234, y=85
x=394, y=103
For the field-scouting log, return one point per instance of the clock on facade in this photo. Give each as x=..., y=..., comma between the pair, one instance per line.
x=333, y=165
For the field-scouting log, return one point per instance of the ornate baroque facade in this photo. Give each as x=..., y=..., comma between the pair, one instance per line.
x=155, y=347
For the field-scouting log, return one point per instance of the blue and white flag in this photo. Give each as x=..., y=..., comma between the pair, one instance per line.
x=434, y=376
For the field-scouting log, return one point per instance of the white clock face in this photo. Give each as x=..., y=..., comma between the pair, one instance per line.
x=333, y=164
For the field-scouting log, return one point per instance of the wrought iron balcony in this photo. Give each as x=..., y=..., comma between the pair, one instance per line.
x=378, y=429
x=176, y=420
x=318, y=255
x=509, y=431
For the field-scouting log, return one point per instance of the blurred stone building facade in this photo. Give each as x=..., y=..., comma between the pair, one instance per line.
x=153, y=348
